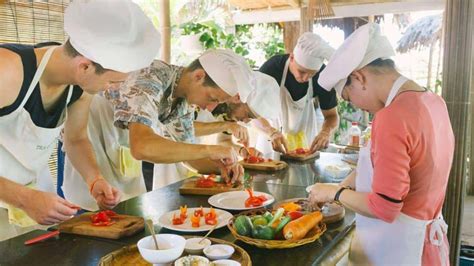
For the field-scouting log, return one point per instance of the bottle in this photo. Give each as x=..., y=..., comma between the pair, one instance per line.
x=354, y=135
x=366, y=134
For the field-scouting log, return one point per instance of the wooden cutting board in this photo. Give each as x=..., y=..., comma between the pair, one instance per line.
x=300, y=157
x=189, y=188
x=265, y=166
x=124, y=226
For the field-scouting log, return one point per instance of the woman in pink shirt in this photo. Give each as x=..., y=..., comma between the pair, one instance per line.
x=402, y=173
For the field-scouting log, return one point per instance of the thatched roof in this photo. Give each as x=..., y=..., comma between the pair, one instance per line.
x=421, y=33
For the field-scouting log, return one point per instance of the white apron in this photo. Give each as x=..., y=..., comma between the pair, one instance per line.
x=108, y=142
x=399, y=243
x=24, y=152
x=298, y=122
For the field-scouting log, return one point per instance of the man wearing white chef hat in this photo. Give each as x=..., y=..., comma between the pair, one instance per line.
x=107, y=39
x=297, y=74
x=153, y=113
x=401, y=176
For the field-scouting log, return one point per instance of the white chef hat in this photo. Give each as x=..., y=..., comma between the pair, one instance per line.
x=264, y=99
x=311, y=51
x=229, y=71
x=363, y=46
x=113, y=33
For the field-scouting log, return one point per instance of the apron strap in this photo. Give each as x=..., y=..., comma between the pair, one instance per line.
x=37, y=76
x=437, y=231
x=285, y=73
x=395, y=88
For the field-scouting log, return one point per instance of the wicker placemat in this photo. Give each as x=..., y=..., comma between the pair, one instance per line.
x=130, y=255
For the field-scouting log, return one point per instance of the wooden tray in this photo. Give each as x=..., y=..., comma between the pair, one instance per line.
x=189, y=187
x=265, y=166
x=334, y=212
x=299, y=157
x=130, y=255
x=310, y=237
x=81, y=225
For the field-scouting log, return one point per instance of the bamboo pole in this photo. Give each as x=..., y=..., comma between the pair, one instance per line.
x=165, y=30
x=458, y=84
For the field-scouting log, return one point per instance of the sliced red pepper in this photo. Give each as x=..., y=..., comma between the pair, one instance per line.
x=295, y=215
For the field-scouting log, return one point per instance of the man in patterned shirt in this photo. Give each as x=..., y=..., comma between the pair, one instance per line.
x=156, y=104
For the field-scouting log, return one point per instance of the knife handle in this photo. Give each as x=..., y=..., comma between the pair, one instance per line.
x=42, y=237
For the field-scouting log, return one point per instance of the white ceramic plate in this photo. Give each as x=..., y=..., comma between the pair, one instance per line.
x=166, y=221
x=235, y=200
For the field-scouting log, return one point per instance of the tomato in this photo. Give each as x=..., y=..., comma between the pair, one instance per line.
x=178, y=220
x=199, y=212
x=101, y=223
x=301, y=151
x=211, y=221
x=205, y=182
x=261, y=160
x=295, y=215
x=252, y=159
x=211, y=214
x=254, y=201
x=110, y=213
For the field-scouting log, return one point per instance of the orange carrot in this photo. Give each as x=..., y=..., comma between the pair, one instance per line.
x=298, y=228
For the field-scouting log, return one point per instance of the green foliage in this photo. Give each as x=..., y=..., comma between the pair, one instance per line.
x=213, y=36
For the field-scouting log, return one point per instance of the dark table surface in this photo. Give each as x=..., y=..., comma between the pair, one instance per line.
x=81, y=250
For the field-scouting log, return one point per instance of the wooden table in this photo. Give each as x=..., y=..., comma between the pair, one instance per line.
x=81, y=250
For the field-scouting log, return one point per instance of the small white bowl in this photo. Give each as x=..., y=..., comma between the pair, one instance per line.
x=219, y=252
x=192, y=260
x=171, y=247
x=194, y=248
x=226, y=263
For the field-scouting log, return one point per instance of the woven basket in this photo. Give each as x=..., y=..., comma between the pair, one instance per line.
x=311, y=236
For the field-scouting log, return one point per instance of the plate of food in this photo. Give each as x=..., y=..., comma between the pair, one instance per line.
x=194, y=219
x=241, y=200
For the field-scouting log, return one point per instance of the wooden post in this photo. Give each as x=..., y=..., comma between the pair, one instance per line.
x=306, y=23
x=291, y=32
x=165, y=30
x=458, y=83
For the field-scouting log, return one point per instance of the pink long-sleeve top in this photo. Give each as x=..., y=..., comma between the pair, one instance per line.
x=412, y=152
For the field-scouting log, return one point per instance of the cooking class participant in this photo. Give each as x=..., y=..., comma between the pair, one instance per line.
x=38, y=100
x=401, y=177
x=297, y=73
x=153, y=115
x=262, y=102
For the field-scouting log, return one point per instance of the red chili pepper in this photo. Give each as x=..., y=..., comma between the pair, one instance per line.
x=295, y=215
